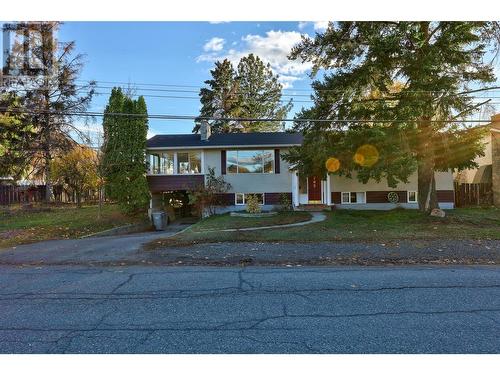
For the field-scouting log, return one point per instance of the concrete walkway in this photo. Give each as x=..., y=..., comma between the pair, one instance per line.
x=316, y=218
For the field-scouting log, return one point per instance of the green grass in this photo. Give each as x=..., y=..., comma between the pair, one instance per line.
x=353, y=225
x=18, y=226
x=227, y=221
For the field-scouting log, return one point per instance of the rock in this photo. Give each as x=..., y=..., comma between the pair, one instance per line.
x=438, y=213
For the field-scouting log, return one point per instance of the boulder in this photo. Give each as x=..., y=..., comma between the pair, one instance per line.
x=438, y=213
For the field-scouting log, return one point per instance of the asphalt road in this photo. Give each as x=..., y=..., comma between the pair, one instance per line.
x=148, y=309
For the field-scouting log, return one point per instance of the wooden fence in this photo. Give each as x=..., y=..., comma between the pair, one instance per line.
x=479, y=194
x=10, y=194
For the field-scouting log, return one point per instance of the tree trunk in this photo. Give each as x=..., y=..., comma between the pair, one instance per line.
x=78, y=199
x=427, y=196
x=48, y=182
x=100, y=189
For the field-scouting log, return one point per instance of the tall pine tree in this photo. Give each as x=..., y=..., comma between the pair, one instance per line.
x=50, y=94
x=125, y=127
x=404, y=85
x=250, y=91
x=260, y=94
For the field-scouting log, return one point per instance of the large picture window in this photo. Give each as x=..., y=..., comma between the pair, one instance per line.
x=250, y=161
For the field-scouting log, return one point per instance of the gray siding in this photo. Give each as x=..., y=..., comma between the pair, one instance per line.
x=253, y=183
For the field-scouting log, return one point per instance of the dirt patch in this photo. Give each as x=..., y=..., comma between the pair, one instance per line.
x=329, y=253
x=9, y=234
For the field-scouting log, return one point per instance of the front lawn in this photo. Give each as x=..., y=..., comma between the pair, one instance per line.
x=354, y=225
x=18, y=226
x=226, y=221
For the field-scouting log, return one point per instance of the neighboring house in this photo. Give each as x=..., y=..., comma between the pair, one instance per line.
x=488, y=170
x=252, y=163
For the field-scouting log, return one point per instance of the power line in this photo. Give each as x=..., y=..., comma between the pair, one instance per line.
x=137, y=86
x=282, y=101
x=241, y=119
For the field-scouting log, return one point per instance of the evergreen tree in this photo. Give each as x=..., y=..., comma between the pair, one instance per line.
x=49, y=94
x=125, y=127
x=16, y=133
x=260, y=94
x=219, y=99
x=251, y=91
x=404, y=85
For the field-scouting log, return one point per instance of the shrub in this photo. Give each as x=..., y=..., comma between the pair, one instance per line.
x=253, y=206
x=284, y=203
x=206, y=197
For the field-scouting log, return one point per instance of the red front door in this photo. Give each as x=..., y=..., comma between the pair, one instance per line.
x=314, y=189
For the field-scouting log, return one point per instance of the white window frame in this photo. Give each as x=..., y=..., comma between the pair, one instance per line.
x=245, y=198
x=408, y=196
x=237, y=162
x=350, y=192
x=236, y=199
x=175, y=160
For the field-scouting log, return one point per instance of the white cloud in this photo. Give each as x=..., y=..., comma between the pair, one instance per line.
x=273, y=48
x=320, y=25
x=215, y=44
x=287, y=81
x=218, y=22
x=317, y=25
x=303, y=24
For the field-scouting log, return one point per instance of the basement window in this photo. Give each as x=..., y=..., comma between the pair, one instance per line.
x=241, y=198
x=412, y=197
x=352, y=197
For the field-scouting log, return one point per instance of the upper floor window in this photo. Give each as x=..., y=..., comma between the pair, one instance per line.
x=250, y=161
x=164, y=162
x=188, y=162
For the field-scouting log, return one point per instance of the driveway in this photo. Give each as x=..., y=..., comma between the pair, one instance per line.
x=99, y=250
x=139, y=309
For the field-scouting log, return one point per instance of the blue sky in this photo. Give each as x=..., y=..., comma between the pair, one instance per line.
x=182, y=53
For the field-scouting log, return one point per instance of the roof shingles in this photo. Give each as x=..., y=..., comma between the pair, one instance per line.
x=225, y=140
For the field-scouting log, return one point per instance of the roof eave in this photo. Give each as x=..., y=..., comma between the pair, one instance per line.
x=220, y=146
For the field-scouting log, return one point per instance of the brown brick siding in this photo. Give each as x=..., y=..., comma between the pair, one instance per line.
x=158, y=184
x=225, y=199
x=228, y=199
x=381, y=196
x=274, y=198
x=444, y=196
x=336, y=197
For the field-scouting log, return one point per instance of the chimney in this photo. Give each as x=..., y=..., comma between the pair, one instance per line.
x=495, y=158
x=205, y=130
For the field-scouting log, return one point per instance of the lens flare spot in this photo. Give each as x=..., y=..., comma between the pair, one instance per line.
x=366, y=156
x=332, y=164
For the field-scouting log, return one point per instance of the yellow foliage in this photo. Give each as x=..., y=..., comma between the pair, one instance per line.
x=76, y=169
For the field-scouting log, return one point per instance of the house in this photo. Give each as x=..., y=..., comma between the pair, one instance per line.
x=488, y=170
x=252, y=163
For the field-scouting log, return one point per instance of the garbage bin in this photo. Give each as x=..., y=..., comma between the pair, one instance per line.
x=159, y=220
